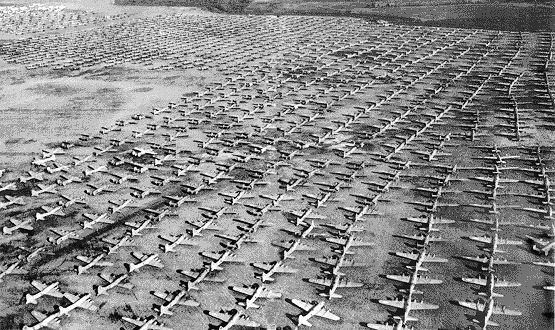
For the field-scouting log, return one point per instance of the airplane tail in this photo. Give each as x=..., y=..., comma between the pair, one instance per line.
x=130, y=267
x=303, y=320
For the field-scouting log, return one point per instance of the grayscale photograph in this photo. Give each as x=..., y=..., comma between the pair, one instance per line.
x=277, y=164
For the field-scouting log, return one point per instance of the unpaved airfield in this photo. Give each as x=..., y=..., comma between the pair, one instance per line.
x=280, y=140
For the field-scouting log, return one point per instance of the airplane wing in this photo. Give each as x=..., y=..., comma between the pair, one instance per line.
x=502, y=310
x=224, y=317
x=266, y=293
x=54, y=324
x=285, y=269
x=84, y=259
x=393, y=303
x=163, y=295
x=211, y=255
x=263, y=266
x=244, y=290
x=156, y=262
x=245, y=322
x=320, y=281
x=301, y=304
x=327, y=315
x=420, y=305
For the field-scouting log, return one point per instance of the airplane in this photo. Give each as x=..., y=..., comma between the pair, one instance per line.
x=11, y=201
x=338, y=261
x=138, y=227
x=408, y=304
x=17, y=225
x=320, y=201
x=65, y=180
x=49, y=211
x=241, y=158
x=63, y=235
x=259, y=211
x=158, y=215
x=322, y=164
x=183, y=170
x=292, y=184
x=172, y=299
x=250, y=184
x=276, y=199
x=254, y=292
x=174, y=242
x=215, y=213
x=542, y=245
x=432, y=207
x=96, y=190
x=291, y=246
x=236, y=241
x=490, y=282
x=269, y=269
x=142, y=193
x=198, y=276
x=113, y=282
x=332, y=284
x=140, y=152
x=95, y=219
x=200, y=226
x=119, y=207
x=57, y=168
x=490, y=260
x=413, y=279
x=233, y=199
x=345, y=228
x=192, y=190
x=91, y=262
x=312, y=309
x=43, y=161
x=51, y=290
x=485, y=309
x=233, y=318
x=91, y=170
x=436, y=192
x=432, y=154
x=213, y=179
x=300, y=217
x=221, y=257
x=389, y=326
x=252, y=226
x=43, y=189
x=358, y=214
x=353, y=150
x=32, y=176
x=115, y=245
x=84, y=302
x=161, y=181
x=144, y=260
x=421, y=256
x=177, y=201
x=51, y=321
x=121, y=178
x=347, y=242
x=12, y=269
x=31, y=254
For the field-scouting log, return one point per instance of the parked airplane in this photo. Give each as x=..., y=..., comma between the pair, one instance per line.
x=269, y=269
x=96, y=190
x=177, y=201
x=332, y=284
x=174, y=241
x=138, y=227
x=51, y=321
x=115, y=245
x=172, y=299
x=198, y=276
x=83, y=302
x=200, y=226
x=63, y=235
x=91, y=170
x=301, y=217
x=49, y=211
x=33, y=176
x=17, y=225
x=233, y=318
x=143, y=193
x=51, y=290
x=12, y=269
x=254, y=292
x=291, y=246
x=114, y=281
x=43, y=189
x=92, y=262
x=191, y=190
x=220, y=258
x=144, y=260
x=312, y=309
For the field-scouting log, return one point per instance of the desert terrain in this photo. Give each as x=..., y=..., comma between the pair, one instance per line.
x=176, y=168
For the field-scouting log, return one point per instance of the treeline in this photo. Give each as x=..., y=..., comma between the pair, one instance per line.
x=228, y=6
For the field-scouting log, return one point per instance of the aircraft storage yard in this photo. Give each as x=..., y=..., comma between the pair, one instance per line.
x=181, y=169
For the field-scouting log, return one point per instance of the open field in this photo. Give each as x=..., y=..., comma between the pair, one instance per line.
x=197, y=157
